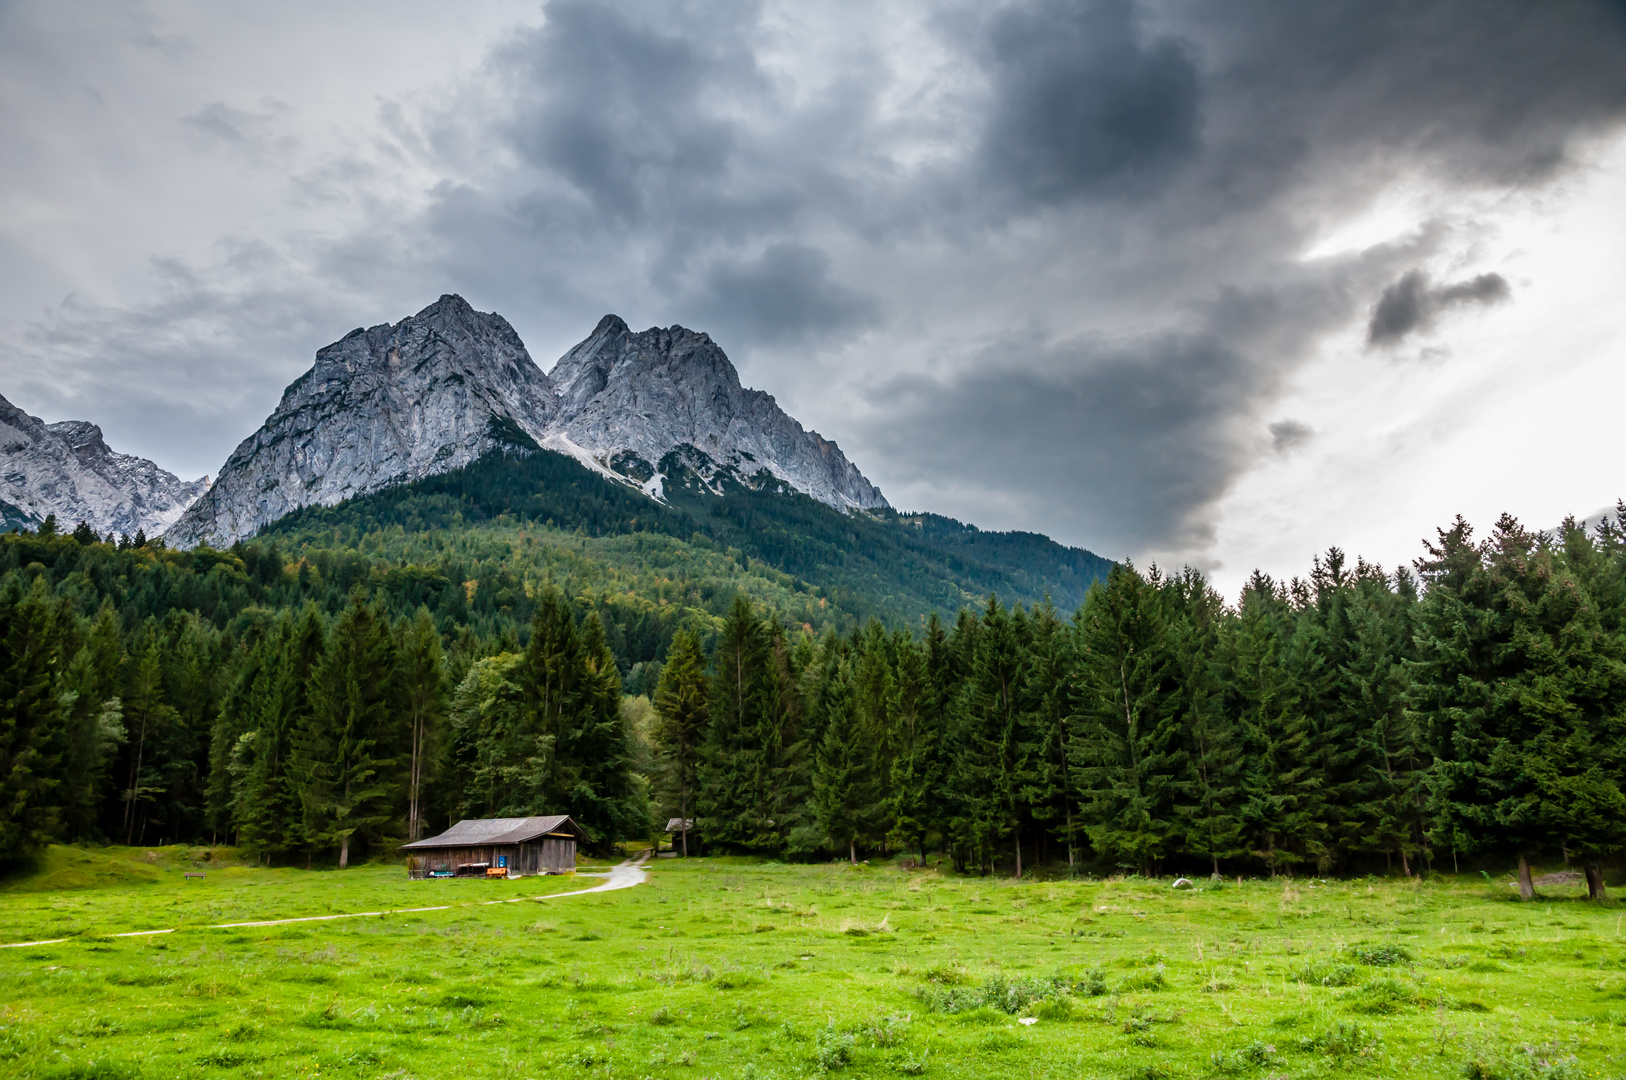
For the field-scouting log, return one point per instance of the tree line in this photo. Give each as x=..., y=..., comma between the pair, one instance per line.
x=1470, y=707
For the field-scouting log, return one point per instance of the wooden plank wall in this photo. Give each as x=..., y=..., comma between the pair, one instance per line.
x=548, y=855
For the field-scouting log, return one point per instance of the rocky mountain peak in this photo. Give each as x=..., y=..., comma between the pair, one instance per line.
x=382, y=405
x=389, y=404
x=633, y=398
x=67, y=469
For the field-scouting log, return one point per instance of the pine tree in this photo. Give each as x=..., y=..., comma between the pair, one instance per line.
x=917, y=765
x=1193, y=617
x=267, y=811
x=1390, y=787
x=345, y=755
x=30, y=718
x=1133, y=769
x=1521, y=689
x=735, y=759
x=1050, y=696
x=95, y=723
x=150, y=722
x=991, y=751
x=594, y=756
x=501, y=758
x=844, y=790
x=681, y=702
x=1278, y=785
x=422, y=663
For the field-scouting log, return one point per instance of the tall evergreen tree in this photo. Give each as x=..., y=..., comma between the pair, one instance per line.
x=1280, y=788
x=737, y=758
x=31, y=646
x=681, y=702
x=422, y=663
x=345, y=755
x=1133, y=771
x=844, y=790
x=1193, y=617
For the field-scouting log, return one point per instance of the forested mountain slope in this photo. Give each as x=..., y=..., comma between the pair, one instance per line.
x=879, y=563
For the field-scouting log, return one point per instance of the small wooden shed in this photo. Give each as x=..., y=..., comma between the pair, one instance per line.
x=480, y=847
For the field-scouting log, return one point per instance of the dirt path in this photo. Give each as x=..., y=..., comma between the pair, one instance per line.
x=621, y=876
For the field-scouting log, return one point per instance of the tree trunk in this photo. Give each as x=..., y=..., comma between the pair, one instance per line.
x=1527, y=888
x=1594, y=882
x=683, y=808
x=1069, y=808
x=852, y=851
x=1405, y=864
x=344, y=853
x=1216, y=867
x=1018, y=853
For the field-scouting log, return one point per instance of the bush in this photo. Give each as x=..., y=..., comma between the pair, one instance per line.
x=1011, y=995
x=1383, y=996
x=1343, y=1039
x=832, y=1049
x=1386, y=955
x=1322, y=973
x=1524, y=1063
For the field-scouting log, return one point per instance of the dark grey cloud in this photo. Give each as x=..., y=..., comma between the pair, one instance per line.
x=1085, y=101
x=1288, y=435
x=1411, y=303
x=1118, y=442
x=785, y=295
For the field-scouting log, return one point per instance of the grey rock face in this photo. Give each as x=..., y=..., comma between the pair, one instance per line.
x=438, y=390
x=67, y=469
x=629, y=399
x=382, y=406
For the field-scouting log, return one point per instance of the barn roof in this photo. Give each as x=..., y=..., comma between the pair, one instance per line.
x=478, y=832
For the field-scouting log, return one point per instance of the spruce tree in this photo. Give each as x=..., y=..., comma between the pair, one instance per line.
x=1049, y=695
x=150, y=723
x=1133, y=770
x=501, y=757
x=346, y=763
x=681, y=703
x=1390, y=787
x=30, y=717
x=735, y=759
x=422, y=673
x=1194, y=616
x=1279, y=787
x=843, y=781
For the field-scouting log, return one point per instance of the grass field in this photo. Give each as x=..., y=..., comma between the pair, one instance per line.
x=727, y=968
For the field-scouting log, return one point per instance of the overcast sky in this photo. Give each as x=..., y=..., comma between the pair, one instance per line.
x=1188, y=282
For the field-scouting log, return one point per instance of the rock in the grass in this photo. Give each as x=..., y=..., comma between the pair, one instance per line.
x=1183, y=883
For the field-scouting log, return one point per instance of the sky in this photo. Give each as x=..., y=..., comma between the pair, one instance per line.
x=1182, y=282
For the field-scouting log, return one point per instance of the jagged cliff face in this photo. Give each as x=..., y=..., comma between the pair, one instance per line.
x=628, y=400
x=382, y=406
x=437, y=391
x=67, y=469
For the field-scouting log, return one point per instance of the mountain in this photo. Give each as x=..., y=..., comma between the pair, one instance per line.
x=439, y=390
x=644, y=405
x=67, y=469
x=381, y=406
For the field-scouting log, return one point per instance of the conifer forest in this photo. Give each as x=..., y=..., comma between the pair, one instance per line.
x=1467, y=710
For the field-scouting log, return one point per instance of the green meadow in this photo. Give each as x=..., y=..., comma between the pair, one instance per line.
x=727, y=968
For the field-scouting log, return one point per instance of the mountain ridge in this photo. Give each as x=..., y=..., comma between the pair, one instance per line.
x=67, y=469
x=436, y=391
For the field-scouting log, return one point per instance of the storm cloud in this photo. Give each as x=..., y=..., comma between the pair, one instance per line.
x=1040, y=264
x=1412, y=304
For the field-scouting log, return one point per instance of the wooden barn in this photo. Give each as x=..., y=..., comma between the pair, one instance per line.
x=497, y=847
